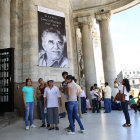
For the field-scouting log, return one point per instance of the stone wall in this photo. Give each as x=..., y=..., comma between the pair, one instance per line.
x=24, y=38
x=19, y=104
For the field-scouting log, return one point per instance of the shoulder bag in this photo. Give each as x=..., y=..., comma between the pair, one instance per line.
x=120, y=96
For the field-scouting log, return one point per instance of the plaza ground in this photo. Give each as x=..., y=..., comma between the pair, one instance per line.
x=100, y=126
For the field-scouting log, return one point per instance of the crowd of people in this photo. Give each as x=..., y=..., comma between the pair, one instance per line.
x=49, y=99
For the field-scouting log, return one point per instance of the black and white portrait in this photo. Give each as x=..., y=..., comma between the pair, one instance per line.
x=52, y=39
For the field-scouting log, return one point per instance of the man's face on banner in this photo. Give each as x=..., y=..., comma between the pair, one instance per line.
x=53, y=45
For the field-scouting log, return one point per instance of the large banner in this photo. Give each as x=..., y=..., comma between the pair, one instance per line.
x=52, y=38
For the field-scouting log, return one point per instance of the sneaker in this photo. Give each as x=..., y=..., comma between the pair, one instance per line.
x=43, y=125
x=81, y=131
x=48, y=125
x=33, y=126
x=70, y=133
x=27, y=128
x=67, y=128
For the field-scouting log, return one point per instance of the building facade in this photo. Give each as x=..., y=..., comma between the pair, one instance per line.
x=19, y=24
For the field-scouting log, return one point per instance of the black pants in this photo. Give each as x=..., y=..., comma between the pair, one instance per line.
x=83, y=104
x=95, y=104
x=66, y=107
x=125, y=111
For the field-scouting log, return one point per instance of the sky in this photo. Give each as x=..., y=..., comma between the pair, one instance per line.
x=125, y=33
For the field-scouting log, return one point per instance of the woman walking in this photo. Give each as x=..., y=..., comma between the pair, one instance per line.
x=73, y=104
x=124, y=88
x=29, y=98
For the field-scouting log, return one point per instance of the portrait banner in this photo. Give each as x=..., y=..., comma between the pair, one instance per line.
x=52, y=38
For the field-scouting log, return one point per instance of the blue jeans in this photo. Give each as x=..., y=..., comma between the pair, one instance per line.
x=29, y=110
x=107, y=102
x=125, y=111
x=72, y=110
x=83, y=104
x=41, y=105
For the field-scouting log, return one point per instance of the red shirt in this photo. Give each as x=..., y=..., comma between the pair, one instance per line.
x=42, y=91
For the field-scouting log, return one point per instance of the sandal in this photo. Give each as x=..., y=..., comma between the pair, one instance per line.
x=126, y=125
x=56, y=128
x=51, y=128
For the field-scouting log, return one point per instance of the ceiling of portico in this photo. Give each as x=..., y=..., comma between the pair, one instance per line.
x=82, y=4
x=88, y=7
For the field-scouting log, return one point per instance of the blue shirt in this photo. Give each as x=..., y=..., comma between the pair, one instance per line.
x=29, y=97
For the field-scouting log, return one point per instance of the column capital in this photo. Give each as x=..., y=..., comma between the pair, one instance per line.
x=88, y=20
x=76, y=24
x=5, y=1
x=103, y=16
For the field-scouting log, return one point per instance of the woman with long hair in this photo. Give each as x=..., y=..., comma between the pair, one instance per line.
x=124, y=88
x=73, y=104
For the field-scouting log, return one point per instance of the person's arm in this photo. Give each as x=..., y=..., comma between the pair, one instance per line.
x=96, y=94
x=24, y=100
x=35, y=98
x=79, y=93
x=59, y=97
x=104, y=90
x=45, y=99
x=68, y=91
x=39, y=95
x=60, y=101
x=116, y=81
x=61, y=88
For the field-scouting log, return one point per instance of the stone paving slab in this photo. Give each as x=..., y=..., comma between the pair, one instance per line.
x=98, y=127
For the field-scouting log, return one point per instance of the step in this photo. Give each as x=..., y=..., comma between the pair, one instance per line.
x=8, y=118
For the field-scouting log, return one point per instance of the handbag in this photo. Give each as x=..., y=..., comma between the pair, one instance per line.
x=120, y=96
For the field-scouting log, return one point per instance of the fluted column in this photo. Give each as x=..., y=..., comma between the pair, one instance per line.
x=4, y=24
x=107, y=49
x=88, y=52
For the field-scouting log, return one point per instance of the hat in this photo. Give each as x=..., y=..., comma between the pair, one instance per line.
x=50, y=79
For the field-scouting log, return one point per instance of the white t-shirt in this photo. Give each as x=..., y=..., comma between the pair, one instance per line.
x=107, y=92
x=52, y=96
x=120, y=87
x=83, y=94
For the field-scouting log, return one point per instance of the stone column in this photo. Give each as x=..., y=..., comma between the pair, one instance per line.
x=107, y=49
x=86, y=25
x=4, y=24
x=30, y=40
